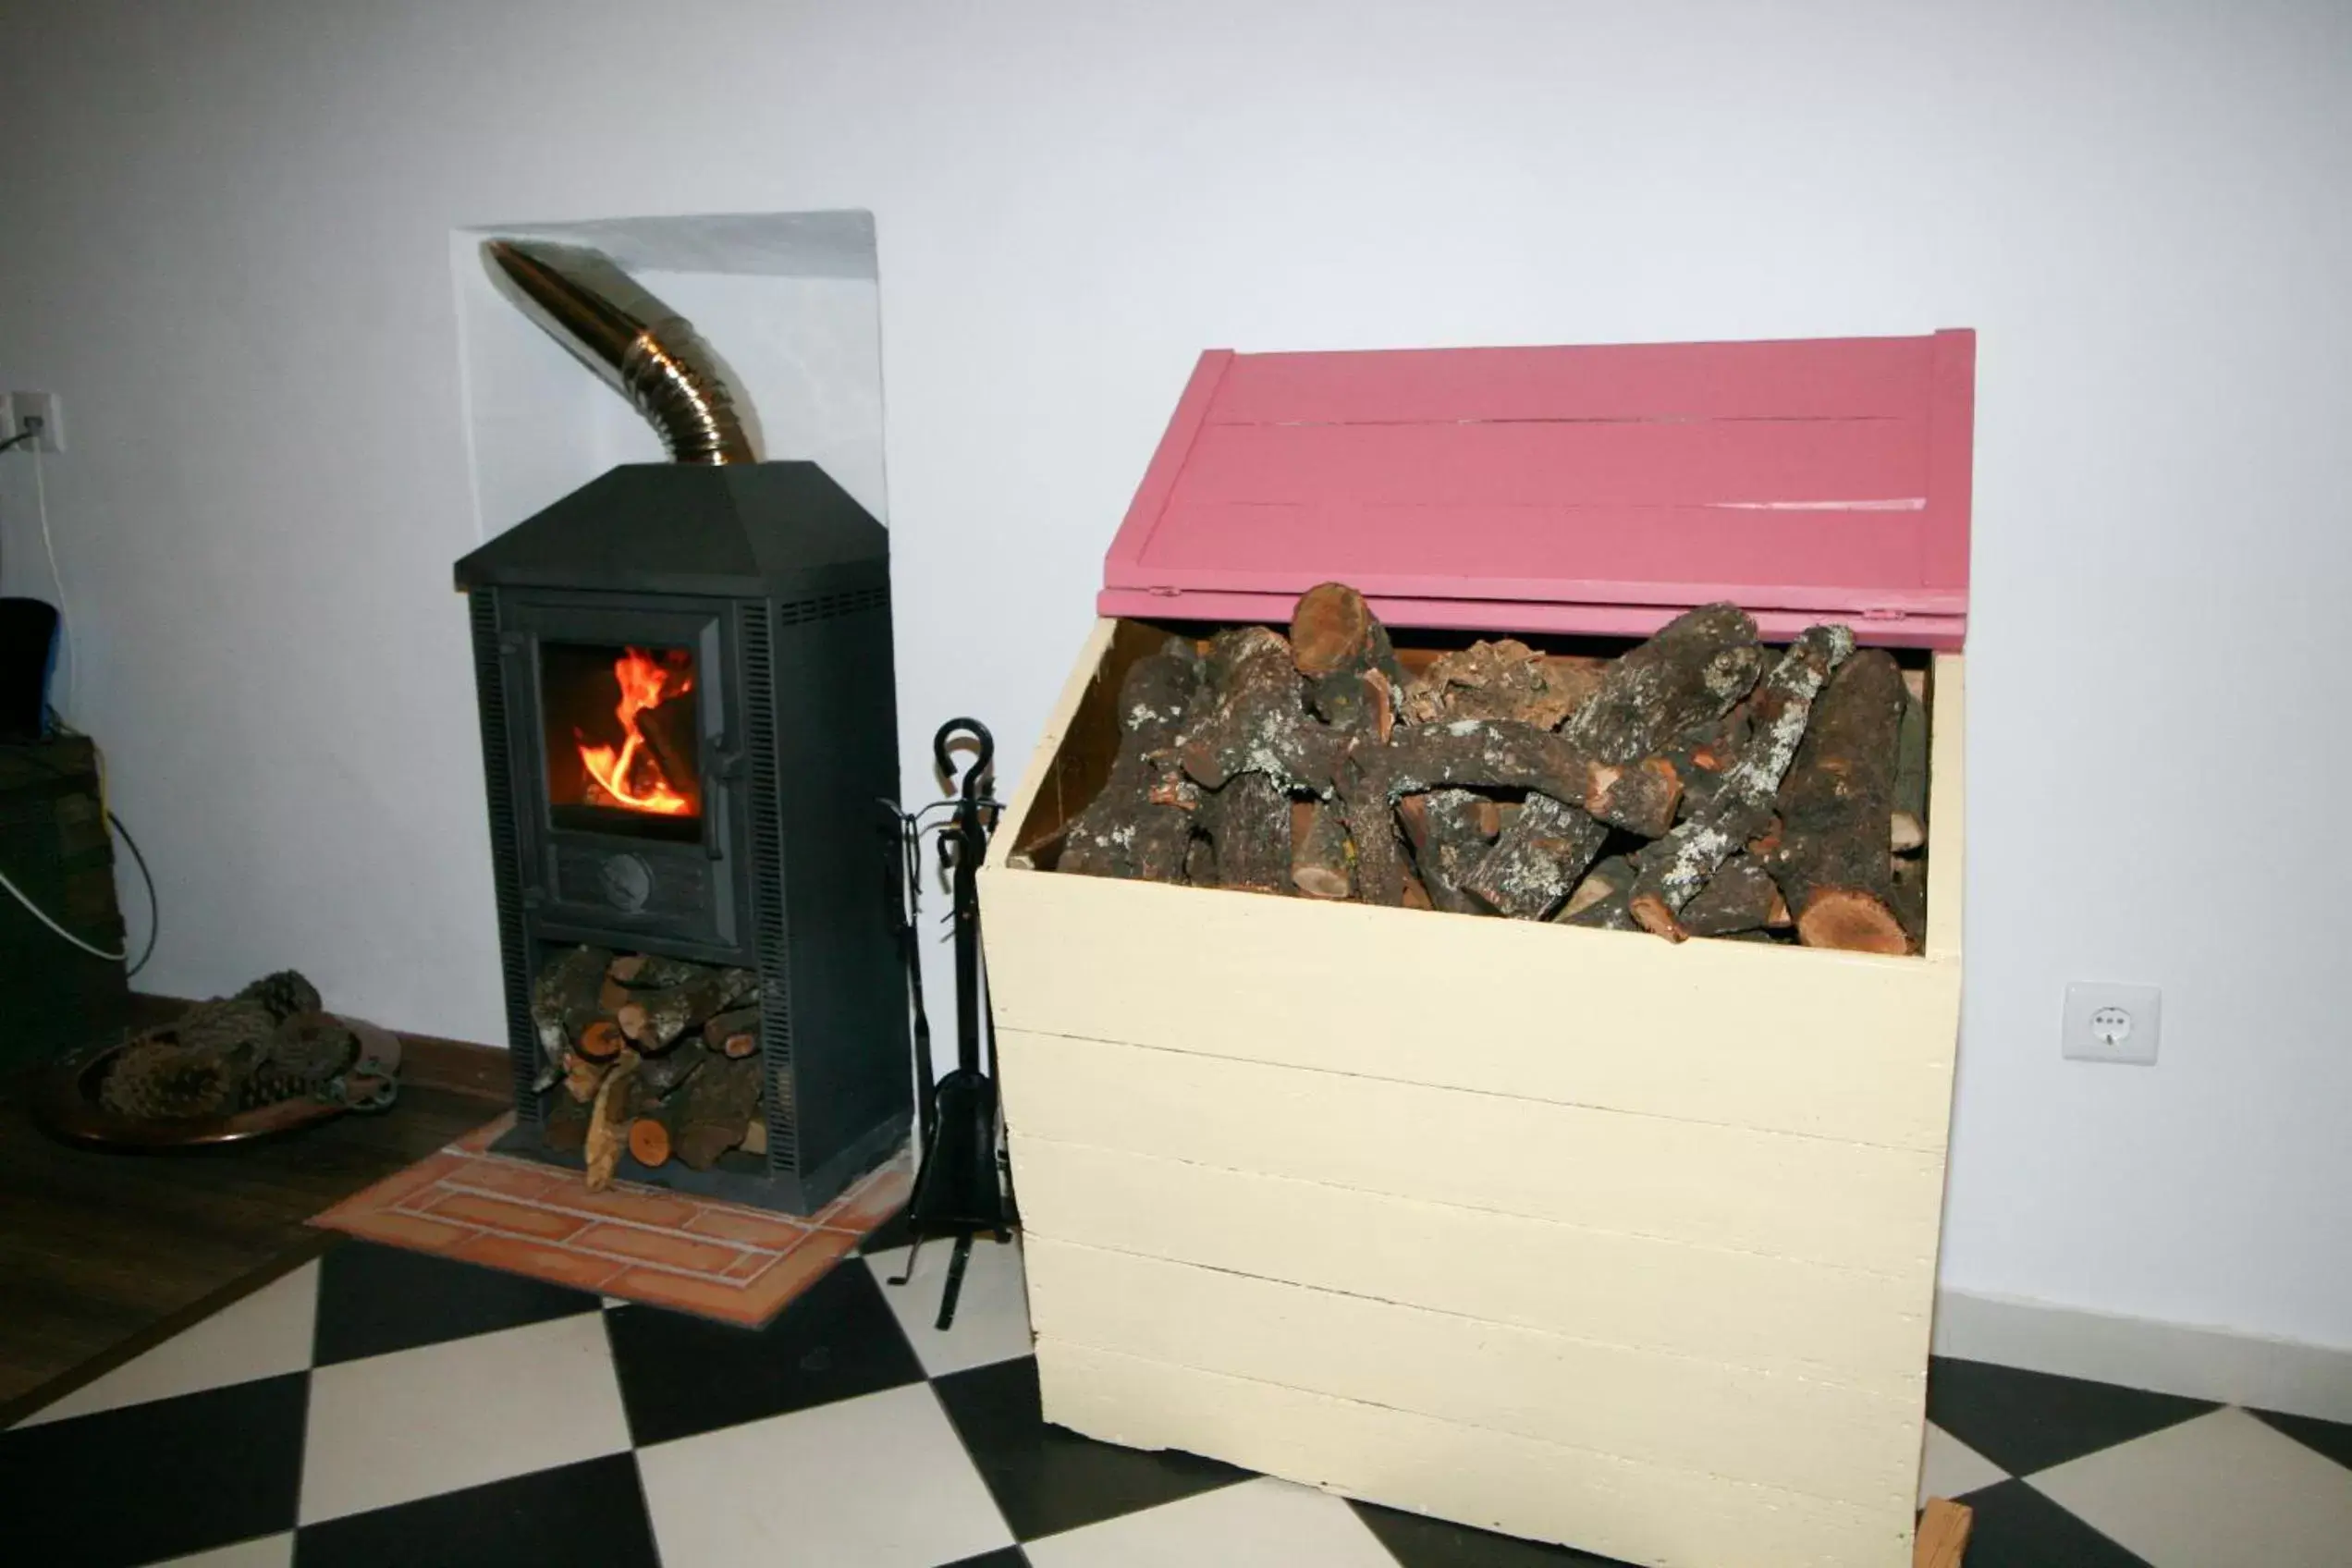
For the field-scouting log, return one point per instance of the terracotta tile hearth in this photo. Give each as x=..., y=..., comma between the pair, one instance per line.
x=720, y=1260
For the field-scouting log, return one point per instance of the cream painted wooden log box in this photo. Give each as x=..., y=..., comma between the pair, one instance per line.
x=1578, y=1235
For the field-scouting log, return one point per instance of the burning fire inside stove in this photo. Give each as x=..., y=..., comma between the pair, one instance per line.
x=632, y=775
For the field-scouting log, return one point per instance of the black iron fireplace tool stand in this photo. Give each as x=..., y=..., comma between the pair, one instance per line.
x=963, y=1188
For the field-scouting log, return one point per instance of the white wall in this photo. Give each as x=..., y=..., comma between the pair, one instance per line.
x=223, y=238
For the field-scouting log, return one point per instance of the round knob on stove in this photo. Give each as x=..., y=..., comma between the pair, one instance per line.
x=627, y=881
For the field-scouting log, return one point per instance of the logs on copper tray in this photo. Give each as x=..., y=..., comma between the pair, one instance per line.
x=1699, y=785
x=653, y=1054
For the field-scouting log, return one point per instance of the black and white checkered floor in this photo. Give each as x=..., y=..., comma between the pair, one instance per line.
x=378, y=1407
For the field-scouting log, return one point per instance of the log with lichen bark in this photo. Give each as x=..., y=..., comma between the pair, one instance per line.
x=1686, y=676
x=1247, y=823
x=713, y=1108
x=1451, y=831
x=1838, y=794
x=654, y=1019
x=1254, y=718
x=735, y=1033
x=1140, y=823
x=1537, y=862
x=563, y=998
x=1322, y=860
x=1674, y=870
x=1741, y=896
x=1488, y=754
x=1501, y=677
x=1342, y=653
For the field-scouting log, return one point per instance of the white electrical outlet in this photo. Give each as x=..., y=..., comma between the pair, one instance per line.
x=2107, y=1022
x=38, y=413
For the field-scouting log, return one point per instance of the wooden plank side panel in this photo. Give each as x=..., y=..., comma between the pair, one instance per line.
x=1540, y=463
x=1621, y=1508
x=1041, y=779
x=1551, y=552
x=1145, y=512
x=1777, y=1315
x=1848, y=1046
x=1684, y=1412
x=1855, y=1205
x=1803, y=378
x=1520, y=618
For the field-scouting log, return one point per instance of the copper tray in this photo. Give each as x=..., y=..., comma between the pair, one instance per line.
x=68, y=1105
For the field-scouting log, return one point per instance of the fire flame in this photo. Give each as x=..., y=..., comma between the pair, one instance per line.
x=632, y=775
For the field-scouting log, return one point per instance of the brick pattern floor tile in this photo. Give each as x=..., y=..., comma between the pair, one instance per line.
x=722, y=1260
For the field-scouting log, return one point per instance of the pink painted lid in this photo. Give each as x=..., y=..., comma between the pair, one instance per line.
x=1598, y=489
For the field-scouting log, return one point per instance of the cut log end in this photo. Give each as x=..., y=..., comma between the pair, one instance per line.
x=1653, y=915
x=602, y=1041
x=1330, y=629
x=1855, y=922
x=648, y=1141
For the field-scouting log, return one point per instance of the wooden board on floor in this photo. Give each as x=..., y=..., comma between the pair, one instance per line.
x=98, y=1250
x=1943, y=1534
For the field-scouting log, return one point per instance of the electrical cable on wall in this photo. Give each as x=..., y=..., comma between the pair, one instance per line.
x=65, y=638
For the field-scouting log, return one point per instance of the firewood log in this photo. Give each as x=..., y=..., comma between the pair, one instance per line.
x=1502, y=754
x=656, y=1019
x=1673, y=869
x=1322, y=862
x=653, y=971
x=1908, y=828
x=1741, y=896
x=1336, y=642
x=609, y=1122
x=650, y=1139
x=601, y=1041
x=1607, y=912
x=1255, y=718
x=733, y=1034
x=1140, y=823
x=1688, y=675
x=1248, y=825
x=713, y=1109
x=1614, y=874
x=581, y=1077
x=1531, y=868
x=1501, y=679
x=1685, y=678
x=1452, y=832
x=563, y=998
x=1833, y=863
x=661, y=1075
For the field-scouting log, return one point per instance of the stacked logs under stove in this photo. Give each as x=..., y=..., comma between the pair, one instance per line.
x=657, y=1055
x=1699, y=784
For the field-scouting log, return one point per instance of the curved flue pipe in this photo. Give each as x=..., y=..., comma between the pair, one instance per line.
x=639, y=347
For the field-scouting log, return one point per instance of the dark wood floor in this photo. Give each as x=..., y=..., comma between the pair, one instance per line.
x=99, y=1250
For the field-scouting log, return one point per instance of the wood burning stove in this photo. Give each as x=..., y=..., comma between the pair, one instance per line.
x=689, y=727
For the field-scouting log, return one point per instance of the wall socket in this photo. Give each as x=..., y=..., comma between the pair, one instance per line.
x=37, y=412
x=2109, y=1023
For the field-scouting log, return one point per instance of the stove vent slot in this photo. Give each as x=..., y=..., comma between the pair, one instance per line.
x=832, y=605
x=754, y=637
x=506, y=852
